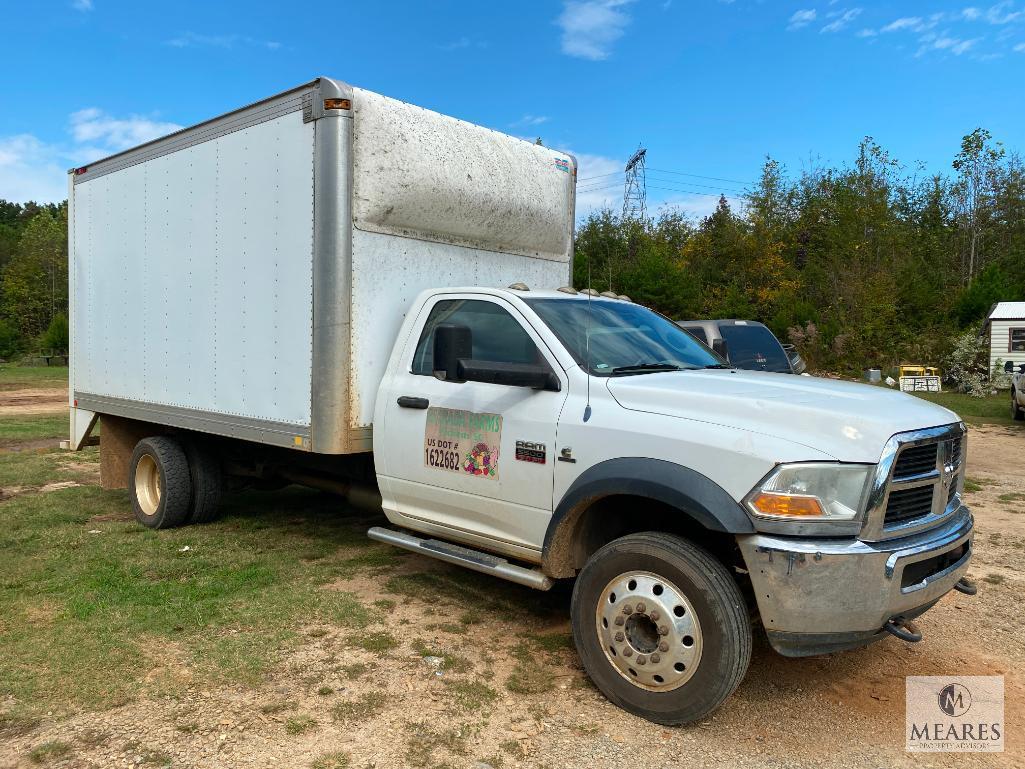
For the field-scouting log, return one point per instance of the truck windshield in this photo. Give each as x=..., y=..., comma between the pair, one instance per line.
x=625, y=339
x=754, y=347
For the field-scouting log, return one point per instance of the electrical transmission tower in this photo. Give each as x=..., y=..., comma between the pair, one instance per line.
x=635, y=192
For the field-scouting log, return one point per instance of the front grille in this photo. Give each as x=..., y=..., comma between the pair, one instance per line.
x=916, y=460
x=905, y=504
x=955, y=452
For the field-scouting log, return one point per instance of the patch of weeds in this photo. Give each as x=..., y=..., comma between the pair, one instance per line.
x=495, y=761
x=1013, y=496
x=971, y=485
x=377, y=642
x=362, y=709
x=354, y=671
x=300, y=724
x=513, y=748
x=424, y=741
x=51, y=750
x=277, y=707
x=471, y=695
x=554, y=642
x=450, y=662
x=336, y=760
x=385, y=604
x=324, y=691
x=448, y=627
x=317, y=633
x=145, y=755
x=530, y=675
x=588, y=730
x=994, y=579
x=471, y=617
x=13, y=726
x=190, y=727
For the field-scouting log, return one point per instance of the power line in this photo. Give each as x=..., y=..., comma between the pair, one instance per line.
x=699, y=176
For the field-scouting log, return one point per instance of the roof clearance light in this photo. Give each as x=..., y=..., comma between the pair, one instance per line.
x=568, y=290
x=519, y=287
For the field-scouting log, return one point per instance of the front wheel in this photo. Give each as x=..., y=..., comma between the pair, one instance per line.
x=1017, y=412
x=661, y=627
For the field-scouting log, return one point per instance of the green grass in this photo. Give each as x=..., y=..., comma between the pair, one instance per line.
x=33, y=426
x=362, y=709
x=14, y=377
x=84, y=617
x=993, y=409
x=300, y=724
x=334, y=760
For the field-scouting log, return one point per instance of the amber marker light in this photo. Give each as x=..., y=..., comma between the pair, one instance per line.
x=337, y=104
x=786, y=505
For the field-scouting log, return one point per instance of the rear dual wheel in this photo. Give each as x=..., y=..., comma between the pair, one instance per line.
x=173, y=483
x=661, y=627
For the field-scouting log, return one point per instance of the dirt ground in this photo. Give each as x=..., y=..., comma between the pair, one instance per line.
x=330, y=703
x=51, y=400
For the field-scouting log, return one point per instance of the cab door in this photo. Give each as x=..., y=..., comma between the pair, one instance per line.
x=472, y=461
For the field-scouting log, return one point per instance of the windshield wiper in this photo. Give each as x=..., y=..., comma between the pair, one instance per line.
x=639, y=368
x=718, y=365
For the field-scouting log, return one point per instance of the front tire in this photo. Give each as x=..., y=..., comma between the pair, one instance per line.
x=661, y=627
x=159, y=483
x=1017, y=412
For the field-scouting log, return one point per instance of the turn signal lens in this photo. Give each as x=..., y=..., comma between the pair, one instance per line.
x=337, y=104
x=786, y=505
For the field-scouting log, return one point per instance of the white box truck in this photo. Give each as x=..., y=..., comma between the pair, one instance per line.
x=335, y=288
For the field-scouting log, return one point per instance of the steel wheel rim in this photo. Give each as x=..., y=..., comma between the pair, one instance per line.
x=649, y=631
x=147, y=484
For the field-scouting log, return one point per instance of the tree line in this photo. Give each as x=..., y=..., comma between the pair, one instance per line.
x=866, y=264
x=33, y=278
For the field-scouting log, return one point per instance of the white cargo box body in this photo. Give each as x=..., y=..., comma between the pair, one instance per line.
x=247, y=276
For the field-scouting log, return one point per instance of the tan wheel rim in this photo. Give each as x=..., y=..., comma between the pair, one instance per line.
x=147, y=484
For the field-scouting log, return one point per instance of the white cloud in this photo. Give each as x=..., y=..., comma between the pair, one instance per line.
x=590, y=27
x=82, y=5
x=908, y=22
x=696, y=206
x=867, y=33
x=946, y=43
x=197, y=40
x=971, y=13
x=1020, y=48
x=531, y=120
x=802, y=18
x=599, y=183
x=31, y=169
x=841, y=19
x=1001, y=13
x=93, y=126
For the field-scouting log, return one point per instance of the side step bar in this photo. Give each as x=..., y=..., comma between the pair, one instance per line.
x=463, y=556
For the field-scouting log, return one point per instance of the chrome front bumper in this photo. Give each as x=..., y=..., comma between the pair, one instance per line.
x=822, y=595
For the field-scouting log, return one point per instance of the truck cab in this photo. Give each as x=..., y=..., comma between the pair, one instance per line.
x=589, y=437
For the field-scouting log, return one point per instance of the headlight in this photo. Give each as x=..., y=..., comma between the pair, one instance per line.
x=816, y=491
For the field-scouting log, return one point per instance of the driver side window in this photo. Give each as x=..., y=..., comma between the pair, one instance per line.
x=497, y=336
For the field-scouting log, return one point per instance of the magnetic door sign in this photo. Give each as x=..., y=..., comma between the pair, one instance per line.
x=462, y=442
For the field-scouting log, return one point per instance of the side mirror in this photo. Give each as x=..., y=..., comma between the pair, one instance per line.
x=1009, y=367
x=719, y=346
x=510, y=374
x=451, y=342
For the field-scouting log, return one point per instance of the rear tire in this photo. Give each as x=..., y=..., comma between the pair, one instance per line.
x=1017, y=412
x=159, y=483
x=661, y=627
x=207, y=482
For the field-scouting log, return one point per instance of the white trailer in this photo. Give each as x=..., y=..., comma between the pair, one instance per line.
x=246, y=277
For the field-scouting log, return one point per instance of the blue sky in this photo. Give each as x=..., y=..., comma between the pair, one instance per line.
x=709, y=87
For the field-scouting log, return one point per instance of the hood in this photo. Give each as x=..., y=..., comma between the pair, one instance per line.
x=846, y=420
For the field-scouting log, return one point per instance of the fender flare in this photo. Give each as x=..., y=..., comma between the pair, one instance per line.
x=694, y=494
